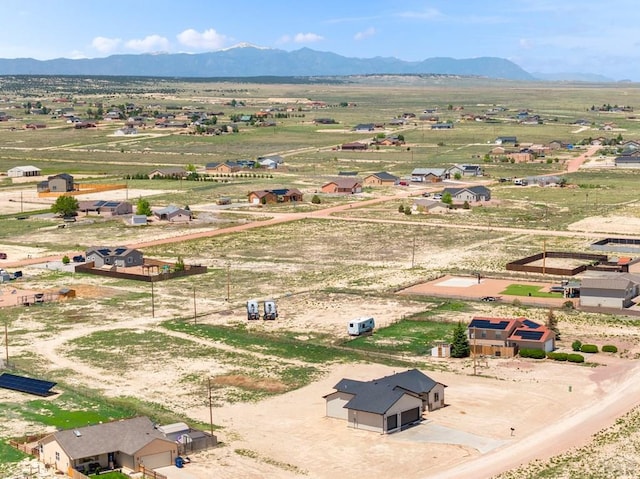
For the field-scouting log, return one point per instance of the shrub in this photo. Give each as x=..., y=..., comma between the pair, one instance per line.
x=609, y=348
x=532, y=353
x=589, y=348
x=316, y=200
x=575, y=358
x=576, y=345
x=557, y=356
x=65, y=260
x=568, y=305
x=401, y=209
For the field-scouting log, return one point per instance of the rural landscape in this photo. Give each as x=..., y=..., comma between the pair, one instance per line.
x=265, y=262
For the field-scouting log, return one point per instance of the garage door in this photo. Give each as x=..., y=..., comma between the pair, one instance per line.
x=392, y=422
x=156, y=460
x=407, y=417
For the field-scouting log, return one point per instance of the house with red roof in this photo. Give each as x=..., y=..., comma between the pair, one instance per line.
x=504, y=337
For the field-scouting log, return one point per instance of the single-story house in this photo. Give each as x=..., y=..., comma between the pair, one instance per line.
x=465, y=170
x=470, y=194
x=132, y=443
x=425, y=205
x=503, y=140
x=20, y=171
x=431, y=175
x=226, y=167
x=364, y=127
x=505, y=336
x=109, y=208
x=282, y=195
x=628, y=161
x=169, y=172
x=120, y=256
x=381, y=178
x=279, y=160
x=354, y=146
x=173, y=214
x=442, y=126
x=608, y=292
x=344, y=185
x=386, y=404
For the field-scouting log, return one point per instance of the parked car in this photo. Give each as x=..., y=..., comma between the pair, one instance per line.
x=78, y=259
x=488, y=298
x=426, y=194
x=3, y=255
x=437, y=196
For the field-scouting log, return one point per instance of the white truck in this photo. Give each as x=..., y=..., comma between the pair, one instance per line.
x=360, y=326
x=270, y=310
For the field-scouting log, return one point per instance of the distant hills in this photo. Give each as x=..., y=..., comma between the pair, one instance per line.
x=247, y=60
x=251, y=61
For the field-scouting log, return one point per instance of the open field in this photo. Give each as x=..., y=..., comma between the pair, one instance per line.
x=121, y=348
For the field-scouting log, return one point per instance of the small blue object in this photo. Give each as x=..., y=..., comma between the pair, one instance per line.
x=179, y=462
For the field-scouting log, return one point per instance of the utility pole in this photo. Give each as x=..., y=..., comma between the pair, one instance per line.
x=544, y=256
x=228, y=281
x=210, y=408
x=153, y=307
x=195, y=313
x=6, y=343
x=475, y=361
x=413, y=252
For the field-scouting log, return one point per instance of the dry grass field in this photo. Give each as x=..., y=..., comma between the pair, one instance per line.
x=120, y=348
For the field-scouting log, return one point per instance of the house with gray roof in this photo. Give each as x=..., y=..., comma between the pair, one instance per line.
x=132, y=443
x=173, y=214
x=608, y=292
x=432, y=175
x=120, y=256
x=381, y=178
x=470, y=194
x=386, y=404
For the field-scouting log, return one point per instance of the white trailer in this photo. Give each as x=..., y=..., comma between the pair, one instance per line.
x=252, y=309
x=360, y=326
x=270, y=310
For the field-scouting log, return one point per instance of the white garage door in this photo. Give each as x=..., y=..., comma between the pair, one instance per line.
x=156, y=460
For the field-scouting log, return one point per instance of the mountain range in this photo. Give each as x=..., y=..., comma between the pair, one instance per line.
x=250, y=61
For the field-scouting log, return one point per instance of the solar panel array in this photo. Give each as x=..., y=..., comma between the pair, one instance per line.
x=529, y=335
x=530, y=324
x=26, y=385
x=486, y=324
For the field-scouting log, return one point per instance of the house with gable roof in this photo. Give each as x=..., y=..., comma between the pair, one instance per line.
x=470, y=194
x=281, y=195
x=120, y=256
x=343, y=185
x=386, y=404
x=173, y=214
x=504, y=337
x=132, y=443
x=381, y=178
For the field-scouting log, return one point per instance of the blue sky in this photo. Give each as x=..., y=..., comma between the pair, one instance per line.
x=539, y=35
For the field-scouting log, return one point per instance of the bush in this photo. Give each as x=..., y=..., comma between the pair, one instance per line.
x=401, y=209
x=316, y=200
x=576, y=345
x=609, y=348
x=575, y=358
x=589, y=348
x=65, y=260
x=532, y=353
x=557, y=356
x=568, y=305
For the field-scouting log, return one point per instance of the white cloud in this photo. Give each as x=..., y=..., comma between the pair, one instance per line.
x=150, y=43
x=525, y=43
x=426, y=14
x=104, y=44
x=207, y=40
x=307, y=38
x=369, y=32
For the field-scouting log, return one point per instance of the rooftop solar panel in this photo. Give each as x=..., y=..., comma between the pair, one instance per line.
x=486, y=324
x=529, y=335
x=26, y=385
x=530, y=324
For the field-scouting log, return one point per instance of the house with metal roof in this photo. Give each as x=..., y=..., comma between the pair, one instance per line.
x=608, y=292
x=131, y=443
x=386, y=404
x=173, y=214
x=120, y=256
x=21, y=171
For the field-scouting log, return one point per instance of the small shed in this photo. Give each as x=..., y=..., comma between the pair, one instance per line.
x=66, y=293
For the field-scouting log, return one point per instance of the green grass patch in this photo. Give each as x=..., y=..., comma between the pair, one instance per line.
x=410, y=336
x=10, y=454
x=111, y=475
x=528, y=290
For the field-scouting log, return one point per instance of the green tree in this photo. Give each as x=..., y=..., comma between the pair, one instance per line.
x=65, y=205
x=552, y=323
x=446, y=198
x=316, y=200
x=457, y=175
x=179, y=266
x=143, y=207
x=460, y=343
x=65, y=260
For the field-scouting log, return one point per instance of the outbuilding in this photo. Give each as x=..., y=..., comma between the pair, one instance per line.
x=22, y=171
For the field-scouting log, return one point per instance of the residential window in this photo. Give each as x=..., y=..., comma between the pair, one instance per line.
x=129, y=260
x=436, y=397
x=57, y=455
x=483, y=334
x=498, y=334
